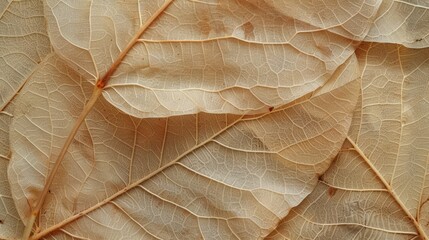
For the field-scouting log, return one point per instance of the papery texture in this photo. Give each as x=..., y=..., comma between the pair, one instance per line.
x=236, y=57
x=378, y=186
x=193, y=176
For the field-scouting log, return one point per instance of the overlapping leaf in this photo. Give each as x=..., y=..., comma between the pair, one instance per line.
x=10, y=223
x=378, y=186
x=185, y=176
x=268, y=88
x=24, y=43
x=401, y=22
x=218, y=57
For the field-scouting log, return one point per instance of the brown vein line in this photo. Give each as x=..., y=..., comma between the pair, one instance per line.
x=264, y=152
x=133, y=219
x=130, y=176
x=234, y=188
x=352, y=189
x=164, y=139
x=214, y=39
x=351, y=224
x=190, y=88
x=5, y=9
x=401, y=115
x=232, y=231
x=180, y=206
x=278, y=152
x=39, y=66
x=421, y=202
x=102, y=81
x=197, y=125
x=199, y=217
x=184, y=208
x=275, y=231
x=87, y=108
x=419, y=229
x=87, y=175
x=360, y=97
x=412, y=4
x=6, y=113
x=217, y=39
x=74, y=236
x=127, y=188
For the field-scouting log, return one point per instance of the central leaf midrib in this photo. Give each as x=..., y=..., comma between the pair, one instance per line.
x=242, y=118
x=389, y=189
x=134, y=184
x=82, y=116
x=103, y=81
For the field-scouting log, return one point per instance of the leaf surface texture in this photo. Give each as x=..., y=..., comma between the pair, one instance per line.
x=378, y=186
x=199, y=172
x=216, y=119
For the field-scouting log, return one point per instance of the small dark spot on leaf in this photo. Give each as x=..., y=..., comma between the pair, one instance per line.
x=186, y=232
x=204, y=27
x=331, y=191
x=271, y=109
x=248, y=30
x=49, y=191
x=419, y=39
x=1, y=221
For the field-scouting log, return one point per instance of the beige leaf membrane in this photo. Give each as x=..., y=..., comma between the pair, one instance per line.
x=403, y=22
x=185, y=177
x=349, y=202
x=237, y=57
x=23, y=44
x=10, y=222
x=378, y=187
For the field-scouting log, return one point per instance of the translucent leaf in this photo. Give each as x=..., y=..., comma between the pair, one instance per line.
x=23, y=44
x=236, y=57
x=403, y=22
x=378, y=186
x=191, y=176
x=10, y=222
x=218, y=119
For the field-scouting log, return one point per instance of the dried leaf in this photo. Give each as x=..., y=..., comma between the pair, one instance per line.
x=402, y=22
x=234, y=57
x=186, y=176
x=23, y=45
x=378, y=186
x=10, y=222
x=218, y=119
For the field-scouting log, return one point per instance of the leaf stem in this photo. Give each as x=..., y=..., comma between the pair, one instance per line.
x=97, y=92
x=29, y=226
